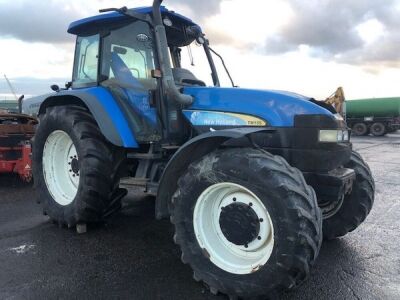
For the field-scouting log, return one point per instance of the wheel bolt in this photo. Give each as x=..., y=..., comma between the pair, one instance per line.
x=251, y=204
x=69, y=163
x=73, y=175
x=261, y=220
x=234, y=199
x=246, y=246
x=259, y=238
x=70, y=171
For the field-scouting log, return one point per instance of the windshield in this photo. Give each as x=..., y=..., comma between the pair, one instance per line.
x=128, y=57
x=194, y=59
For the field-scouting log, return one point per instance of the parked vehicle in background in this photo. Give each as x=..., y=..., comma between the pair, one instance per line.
x=9, y=105
x=376, y=116
x=16, y=131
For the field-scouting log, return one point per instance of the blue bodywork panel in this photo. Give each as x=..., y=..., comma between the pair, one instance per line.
x=92, y=23
x=213, y=107
x=107, y=101
x=277, y=108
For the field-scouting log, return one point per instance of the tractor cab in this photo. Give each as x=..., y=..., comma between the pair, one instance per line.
x=128, y=50
x=119, y=53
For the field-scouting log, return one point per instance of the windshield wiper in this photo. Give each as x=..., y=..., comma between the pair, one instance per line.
x=225, y=67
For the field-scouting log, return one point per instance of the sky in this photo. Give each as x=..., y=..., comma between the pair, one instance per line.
x=306, y=46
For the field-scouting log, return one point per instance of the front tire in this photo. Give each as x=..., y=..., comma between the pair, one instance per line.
x=76, y=171
x=246, y=222
x=356, y=206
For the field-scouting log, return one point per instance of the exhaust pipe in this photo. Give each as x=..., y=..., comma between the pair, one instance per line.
x=20, y=99
x=165, y=64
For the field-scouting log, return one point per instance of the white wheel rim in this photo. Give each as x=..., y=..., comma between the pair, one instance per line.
x=60, y=169
x=230, y=257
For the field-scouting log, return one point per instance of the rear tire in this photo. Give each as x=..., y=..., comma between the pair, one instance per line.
x=79, y=185
x=356, y=206
x=360, y=129
x=378, y=129
x=213, y=248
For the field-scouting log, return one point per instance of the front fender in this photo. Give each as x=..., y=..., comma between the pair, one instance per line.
x=190, y=152
x=105, y=109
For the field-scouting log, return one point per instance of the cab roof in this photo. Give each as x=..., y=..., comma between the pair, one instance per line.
x=96, y=23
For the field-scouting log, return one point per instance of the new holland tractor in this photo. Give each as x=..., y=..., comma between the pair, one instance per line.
x=252, y=180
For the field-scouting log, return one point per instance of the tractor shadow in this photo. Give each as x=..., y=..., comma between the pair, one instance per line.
x=12, y=182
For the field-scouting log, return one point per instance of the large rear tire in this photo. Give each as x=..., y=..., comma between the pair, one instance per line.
x=76, y=171
x=246, y=222
x=356, y=206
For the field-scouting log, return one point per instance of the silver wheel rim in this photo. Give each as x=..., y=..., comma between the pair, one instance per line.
x=60, y=161
x=230, y=257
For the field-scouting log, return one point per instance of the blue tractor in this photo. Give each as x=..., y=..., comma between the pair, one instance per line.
x=252, y=180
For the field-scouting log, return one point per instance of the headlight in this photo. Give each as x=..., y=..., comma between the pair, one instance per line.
x=333, y=136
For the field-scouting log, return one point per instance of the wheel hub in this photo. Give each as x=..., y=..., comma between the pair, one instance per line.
x=239, y=223
x=75, y=165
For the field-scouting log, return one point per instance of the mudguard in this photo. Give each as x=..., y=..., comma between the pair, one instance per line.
x=190, y=152
x=108, y=113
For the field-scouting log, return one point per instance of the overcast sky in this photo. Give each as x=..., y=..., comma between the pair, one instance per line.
x=310, y=46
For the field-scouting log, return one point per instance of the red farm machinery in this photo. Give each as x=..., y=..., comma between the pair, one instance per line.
x=16, y=131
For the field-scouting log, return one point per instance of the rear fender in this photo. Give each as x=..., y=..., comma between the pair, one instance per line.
x=190, y=152
x=105, y=109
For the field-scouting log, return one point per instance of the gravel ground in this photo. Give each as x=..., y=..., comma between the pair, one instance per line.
x=133, y=256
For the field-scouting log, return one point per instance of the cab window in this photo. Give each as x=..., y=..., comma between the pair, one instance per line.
x=86, y=61
x=128, y=58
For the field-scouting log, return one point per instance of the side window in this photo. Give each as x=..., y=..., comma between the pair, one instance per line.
x=86, y=60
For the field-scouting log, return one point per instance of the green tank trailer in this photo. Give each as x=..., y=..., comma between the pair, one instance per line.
x=377, y=116
x=9, y=105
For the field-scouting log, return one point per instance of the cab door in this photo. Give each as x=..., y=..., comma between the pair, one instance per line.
x=127, y=58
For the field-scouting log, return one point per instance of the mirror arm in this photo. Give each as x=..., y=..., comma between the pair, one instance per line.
x=214, y=73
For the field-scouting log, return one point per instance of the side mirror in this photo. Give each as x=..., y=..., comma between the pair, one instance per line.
x=55, y=88
x=201, y=40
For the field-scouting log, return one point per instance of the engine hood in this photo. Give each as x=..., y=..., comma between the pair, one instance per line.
x=277, y=108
